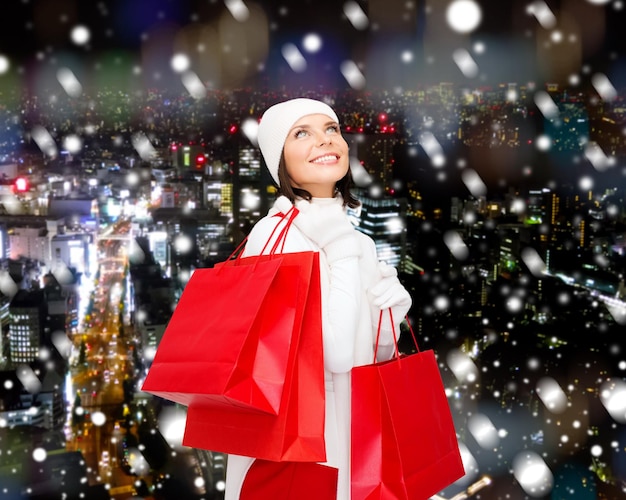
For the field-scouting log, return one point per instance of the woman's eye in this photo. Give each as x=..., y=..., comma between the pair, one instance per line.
x=300, y=133
x=333, y=128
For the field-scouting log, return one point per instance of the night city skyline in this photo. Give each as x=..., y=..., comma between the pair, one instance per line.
x=490, y=159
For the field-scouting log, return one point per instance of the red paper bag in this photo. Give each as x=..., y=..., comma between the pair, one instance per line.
x=289, y=481
x=234, y=332
x=297, y=432
x=404, y=445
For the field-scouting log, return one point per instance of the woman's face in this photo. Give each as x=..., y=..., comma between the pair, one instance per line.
x=316, y=155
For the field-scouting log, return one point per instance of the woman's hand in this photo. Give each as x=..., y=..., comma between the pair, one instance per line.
x=388, y=292
x=329, y=228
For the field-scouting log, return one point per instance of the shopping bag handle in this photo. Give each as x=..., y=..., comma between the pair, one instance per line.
x=282, y=236
x=395, y=336
x=280, y=240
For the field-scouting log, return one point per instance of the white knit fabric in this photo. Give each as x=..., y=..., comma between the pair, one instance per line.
x=276, y=122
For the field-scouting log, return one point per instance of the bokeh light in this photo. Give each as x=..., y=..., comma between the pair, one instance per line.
x=464, y=16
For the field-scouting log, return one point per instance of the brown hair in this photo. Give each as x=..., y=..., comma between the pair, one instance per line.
x=343, y=187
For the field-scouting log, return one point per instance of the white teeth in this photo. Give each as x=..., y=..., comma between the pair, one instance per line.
x=322, y=159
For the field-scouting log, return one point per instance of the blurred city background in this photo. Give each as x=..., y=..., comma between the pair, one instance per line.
x=487, y=144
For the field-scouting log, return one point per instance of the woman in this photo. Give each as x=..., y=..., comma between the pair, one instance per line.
x=307, y=156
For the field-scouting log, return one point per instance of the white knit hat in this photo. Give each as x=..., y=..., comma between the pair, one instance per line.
x=276, y=122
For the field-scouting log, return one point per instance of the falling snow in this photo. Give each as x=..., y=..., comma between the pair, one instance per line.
x=538, y=396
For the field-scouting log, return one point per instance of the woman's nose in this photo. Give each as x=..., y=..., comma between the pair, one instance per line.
x=324, y=139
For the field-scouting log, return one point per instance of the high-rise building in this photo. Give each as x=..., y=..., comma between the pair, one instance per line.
x=27, y=314
x=384, y=220
x=21, y=405
x=73, y=250
x=249, y=195
x=376, y=153
x=29, y=242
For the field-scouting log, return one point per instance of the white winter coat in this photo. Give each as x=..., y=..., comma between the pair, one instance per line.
x=349, y=324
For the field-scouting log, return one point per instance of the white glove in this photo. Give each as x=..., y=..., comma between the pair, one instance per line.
x=329, y=228
x=389, y=293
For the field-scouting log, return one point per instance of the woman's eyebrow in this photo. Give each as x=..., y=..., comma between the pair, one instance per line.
x=299, y=127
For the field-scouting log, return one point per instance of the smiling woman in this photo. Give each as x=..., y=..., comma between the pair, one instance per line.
x=307, y=156
x=295, y=132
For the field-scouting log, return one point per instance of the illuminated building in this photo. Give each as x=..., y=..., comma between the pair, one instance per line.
x=376, y=154
x=189, y=156
x=20, y=405
x=72, y=250
x=27, y=314
x=29, y=242
x=249, y=183
x=510, y=247
x=384, y=220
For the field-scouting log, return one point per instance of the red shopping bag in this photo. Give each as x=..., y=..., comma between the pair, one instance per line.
x=297, y=432
x=289, y=481
x=234, y=332
x=404, y=445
